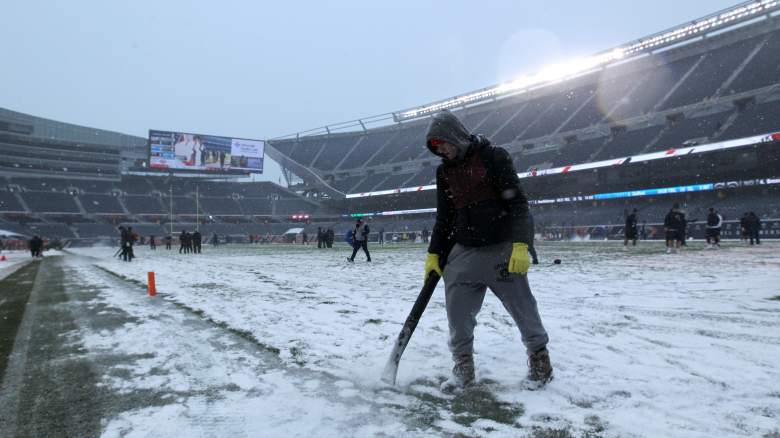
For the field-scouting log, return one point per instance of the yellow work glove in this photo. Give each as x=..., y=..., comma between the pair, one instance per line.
x=518, y=261
x=432, y=265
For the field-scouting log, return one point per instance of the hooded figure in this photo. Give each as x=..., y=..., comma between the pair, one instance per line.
x=445, y=127
x=481, y=240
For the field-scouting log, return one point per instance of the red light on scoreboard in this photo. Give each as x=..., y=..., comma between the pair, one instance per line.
x=299, y=217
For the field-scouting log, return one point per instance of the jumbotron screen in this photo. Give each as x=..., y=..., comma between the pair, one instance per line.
x=196, y=152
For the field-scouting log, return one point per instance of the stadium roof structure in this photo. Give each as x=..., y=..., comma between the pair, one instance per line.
x=694, y=30
x=674, y=36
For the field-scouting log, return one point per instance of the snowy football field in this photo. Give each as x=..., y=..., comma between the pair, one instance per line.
x=282, y=340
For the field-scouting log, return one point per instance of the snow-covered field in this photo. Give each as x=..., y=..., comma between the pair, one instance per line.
x=12, y=261
x=643, y=343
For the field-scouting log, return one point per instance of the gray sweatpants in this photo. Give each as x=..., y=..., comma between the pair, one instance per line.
x=468, y=273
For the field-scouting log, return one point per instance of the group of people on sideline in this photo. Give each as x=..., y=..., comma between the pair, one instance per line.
x=676, y=228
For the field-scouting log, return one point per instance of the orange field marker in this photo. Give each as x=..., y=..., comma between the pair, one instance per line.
x=150, y=285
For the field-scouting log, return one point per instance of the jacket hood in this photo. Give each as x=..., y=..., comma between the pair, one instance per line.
x=445, y=126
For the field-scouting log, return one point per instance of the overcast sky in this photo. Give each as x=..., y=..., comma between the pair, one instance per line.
x=264, y=69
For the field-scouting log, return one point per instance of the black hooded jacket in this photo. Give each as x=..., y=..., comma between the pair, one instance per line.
x=479, y=198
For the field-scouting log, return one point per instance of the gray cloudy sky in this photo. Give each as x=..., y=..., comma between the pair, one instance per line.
x=264, y=69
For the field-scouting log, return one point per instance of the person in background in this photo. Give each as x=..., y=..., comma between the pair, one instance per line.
x=183, y=238
x=36, y=246
x=360, y=240
x=754, y=228
x=630, y=230
x=133, y=240
x=743, y=227
x=152, y=243
x=714, y=223
x=674, y=222
x=330, y=236
x=124, y=243
x=168, y=240
x=196, y=241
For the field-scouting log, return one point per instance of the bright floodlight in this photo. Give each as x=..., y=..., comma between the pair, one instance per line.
x=559, y=72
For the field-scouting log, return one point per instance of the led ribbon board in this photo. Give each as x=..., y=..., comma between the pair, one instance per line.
x=669, y=153
x=612, y=195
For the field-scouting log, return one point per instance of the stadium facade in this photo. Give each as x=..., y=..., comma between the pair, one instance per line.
x=690, y=114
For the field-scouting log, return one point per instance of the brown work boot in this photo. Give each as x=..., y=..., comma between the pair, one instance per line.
x=462, y=374
x=539, y=368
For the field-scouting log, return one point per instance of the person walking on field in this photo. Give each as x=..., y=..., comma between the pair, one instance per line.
x=482, y=231
x=714, y=223
x=197, y=242
x=754, y=228
x=743, y=227
x=360, y=236
x=329, y=237
x=631, y=233
x=674, y=223
x=183, y=237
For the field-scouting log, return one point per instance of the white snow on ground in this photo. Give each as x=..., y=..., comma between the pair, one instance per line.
x=15, y=259
x=643, y=343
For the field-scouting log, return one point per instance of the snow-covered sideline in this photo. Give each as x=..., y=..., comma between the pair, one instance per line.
x=643, y=343
x=11, y=261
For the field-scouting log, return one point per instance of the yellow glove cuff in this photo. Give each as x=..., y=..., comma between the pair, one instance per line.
x=519, y=246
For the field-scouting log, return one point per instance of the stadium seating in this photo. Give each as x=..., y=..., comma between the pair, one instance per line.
x=702, y=128
x=579, y=151
x=424, y=177
x=367, y=147
x=48, y=202
x=335, y=149
x=89, y=230
x=345, y=185
x=755, y=120
x=610, y=97
x=256, y=206
x=625, y=144
x=762, y=70
x=293, y=206
x=220, y=206
x=710, y=73
x=369, y=182
x=393, y=182
x=102, y=204
x=144, y=204
x=409, y=143
x=52, y=231
x=9, y=203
